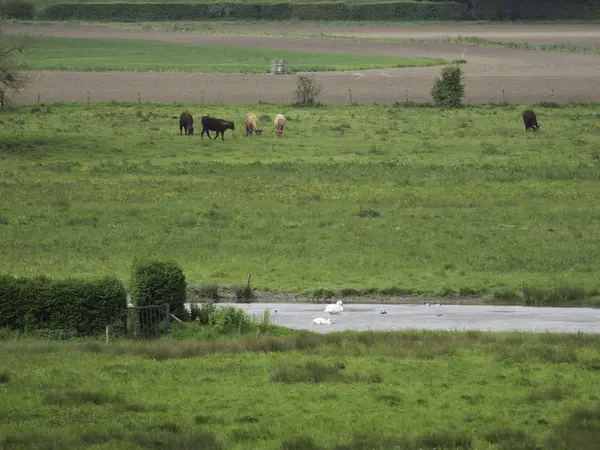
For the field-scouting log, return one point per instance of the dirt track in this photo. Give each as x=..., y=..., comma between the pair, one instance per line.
x=526, y=76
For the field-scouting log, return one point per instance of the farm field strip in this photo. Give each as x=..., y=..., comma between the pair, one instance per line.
x=85, y=54
x=425, y=201
x=491, y=74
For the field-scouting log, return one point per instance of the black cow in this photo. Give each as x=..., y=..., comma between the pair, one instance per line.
x=218, y=125
x=186, y=122
x=530, y=120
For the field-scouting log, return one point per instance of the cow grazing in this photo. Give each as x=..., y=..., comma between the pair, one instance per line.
x=252, y=125
x=530, y=120
x=186, y=122
x=218, y=125
x=279, y=124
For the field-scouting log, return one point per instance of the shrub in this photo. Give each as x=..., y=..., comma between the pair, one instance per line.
x=203, y=313
x=227, y=319
x=16, y=9
x=156, y=282
x=71, y=306
x=449, y=90
x=243, y=294
x=307, y=90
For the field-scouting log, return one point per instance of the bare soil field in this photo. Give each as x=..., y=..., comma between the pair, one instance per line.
x=525, y=76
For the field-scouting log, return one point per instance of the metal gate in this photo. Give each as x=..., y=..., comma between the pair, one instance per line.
x=147, y=321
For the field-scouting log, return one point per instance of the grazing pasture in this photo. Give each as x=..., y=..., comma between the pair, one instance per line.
x=409, y=199
x=341, y=391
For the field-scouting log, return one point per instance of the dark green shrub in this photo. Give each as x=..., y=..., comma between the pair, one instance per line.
x=203, y=313
x=156, y=282
x=16, y=9
x=243, y=294
x=71, y=306
x=227, y=320
x=448, y=91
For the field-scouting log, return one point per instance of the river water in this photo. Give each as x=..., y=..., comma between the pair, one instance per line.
x=363, y=317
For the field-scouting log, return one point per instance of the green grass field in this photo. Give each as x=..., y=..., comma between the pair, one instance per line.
x=416, y=199
x=60, y=53
x=342, y=391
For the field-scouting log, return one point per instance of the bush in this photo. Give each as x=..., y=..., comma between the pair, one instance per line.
x=16, y=9
x=156, y=282
x=74, y=306
x=203, y=313
x=133, y=12
x=227, y=319
x=449, y=90
x=307, y=90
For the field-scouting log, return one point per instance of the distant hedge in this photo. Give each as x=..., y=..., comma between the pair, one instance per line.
x=535, y=9
x=79, y=306
x=132, y=12
x=408, y=11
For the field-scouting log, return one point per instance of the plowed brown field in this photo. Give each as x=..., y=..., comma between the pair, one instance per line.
x=526, y=76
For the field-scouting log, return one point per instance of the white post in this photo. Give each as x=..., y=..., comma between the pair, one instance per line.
x=107, y=334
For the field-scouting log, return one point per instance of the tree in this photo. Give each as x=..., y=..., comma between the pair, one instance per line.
x=11, y=77
x=448, y=90
x=307, y=90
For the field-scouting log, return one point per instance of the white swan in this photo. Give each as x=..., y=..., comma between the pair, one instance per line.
x=321, y=321
x=335, y=309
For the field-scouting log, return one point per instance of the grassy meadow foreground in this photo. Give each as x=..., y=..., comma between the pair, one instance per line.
x=340, y=391
x=398, y=198
x=64, y=53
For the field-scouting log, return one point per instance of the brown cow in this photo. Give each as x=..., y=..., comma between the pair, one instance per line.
x=530, y=120
x=252, y=125
x=279, y=124
x=218, y=125
x=186, y=122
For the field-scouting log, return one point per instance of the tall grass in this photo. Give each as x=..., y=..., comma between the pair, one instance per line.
x=411, y=390
x=361, y=199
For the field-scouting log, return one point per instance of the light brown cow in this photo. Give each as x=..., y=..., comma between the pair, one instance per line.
x=252, y=125
x=279, y=123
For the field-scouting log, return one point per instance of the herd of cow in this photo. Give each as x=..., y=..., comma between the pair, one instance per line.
x=186, y=122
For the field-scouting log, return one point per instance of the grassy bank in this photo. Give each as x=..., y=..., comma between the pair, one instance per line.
x=407, y=199
x=61, y=53
x=340, y=391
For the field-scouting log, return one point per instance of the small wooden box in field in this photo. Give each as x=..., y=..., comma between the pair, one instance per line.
x=279, y=66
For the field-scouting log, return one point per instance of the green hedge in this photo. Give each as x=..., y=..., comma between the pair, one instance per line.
x=535, y=9
x=80, y=306
x=410, y=10
x=130, y=12
x=156, y=282
x=16, y=9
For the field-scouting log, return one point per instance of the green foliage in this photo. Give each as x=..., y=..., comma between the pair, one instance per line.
x=228, y=319
x=135, y=12
x=307, y=90
x=158, y=281
x=534, y=10
x=449, y=90
x=69, y=306
x=202, y=313
x=243, y=294
x=16, y=9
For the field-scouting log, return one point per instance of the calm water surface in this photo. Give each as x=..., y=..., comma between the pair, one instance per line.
x=362, y=317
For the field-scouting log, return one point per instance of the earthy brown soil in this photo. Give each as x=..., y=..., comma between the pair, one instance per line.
x=526, y=76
